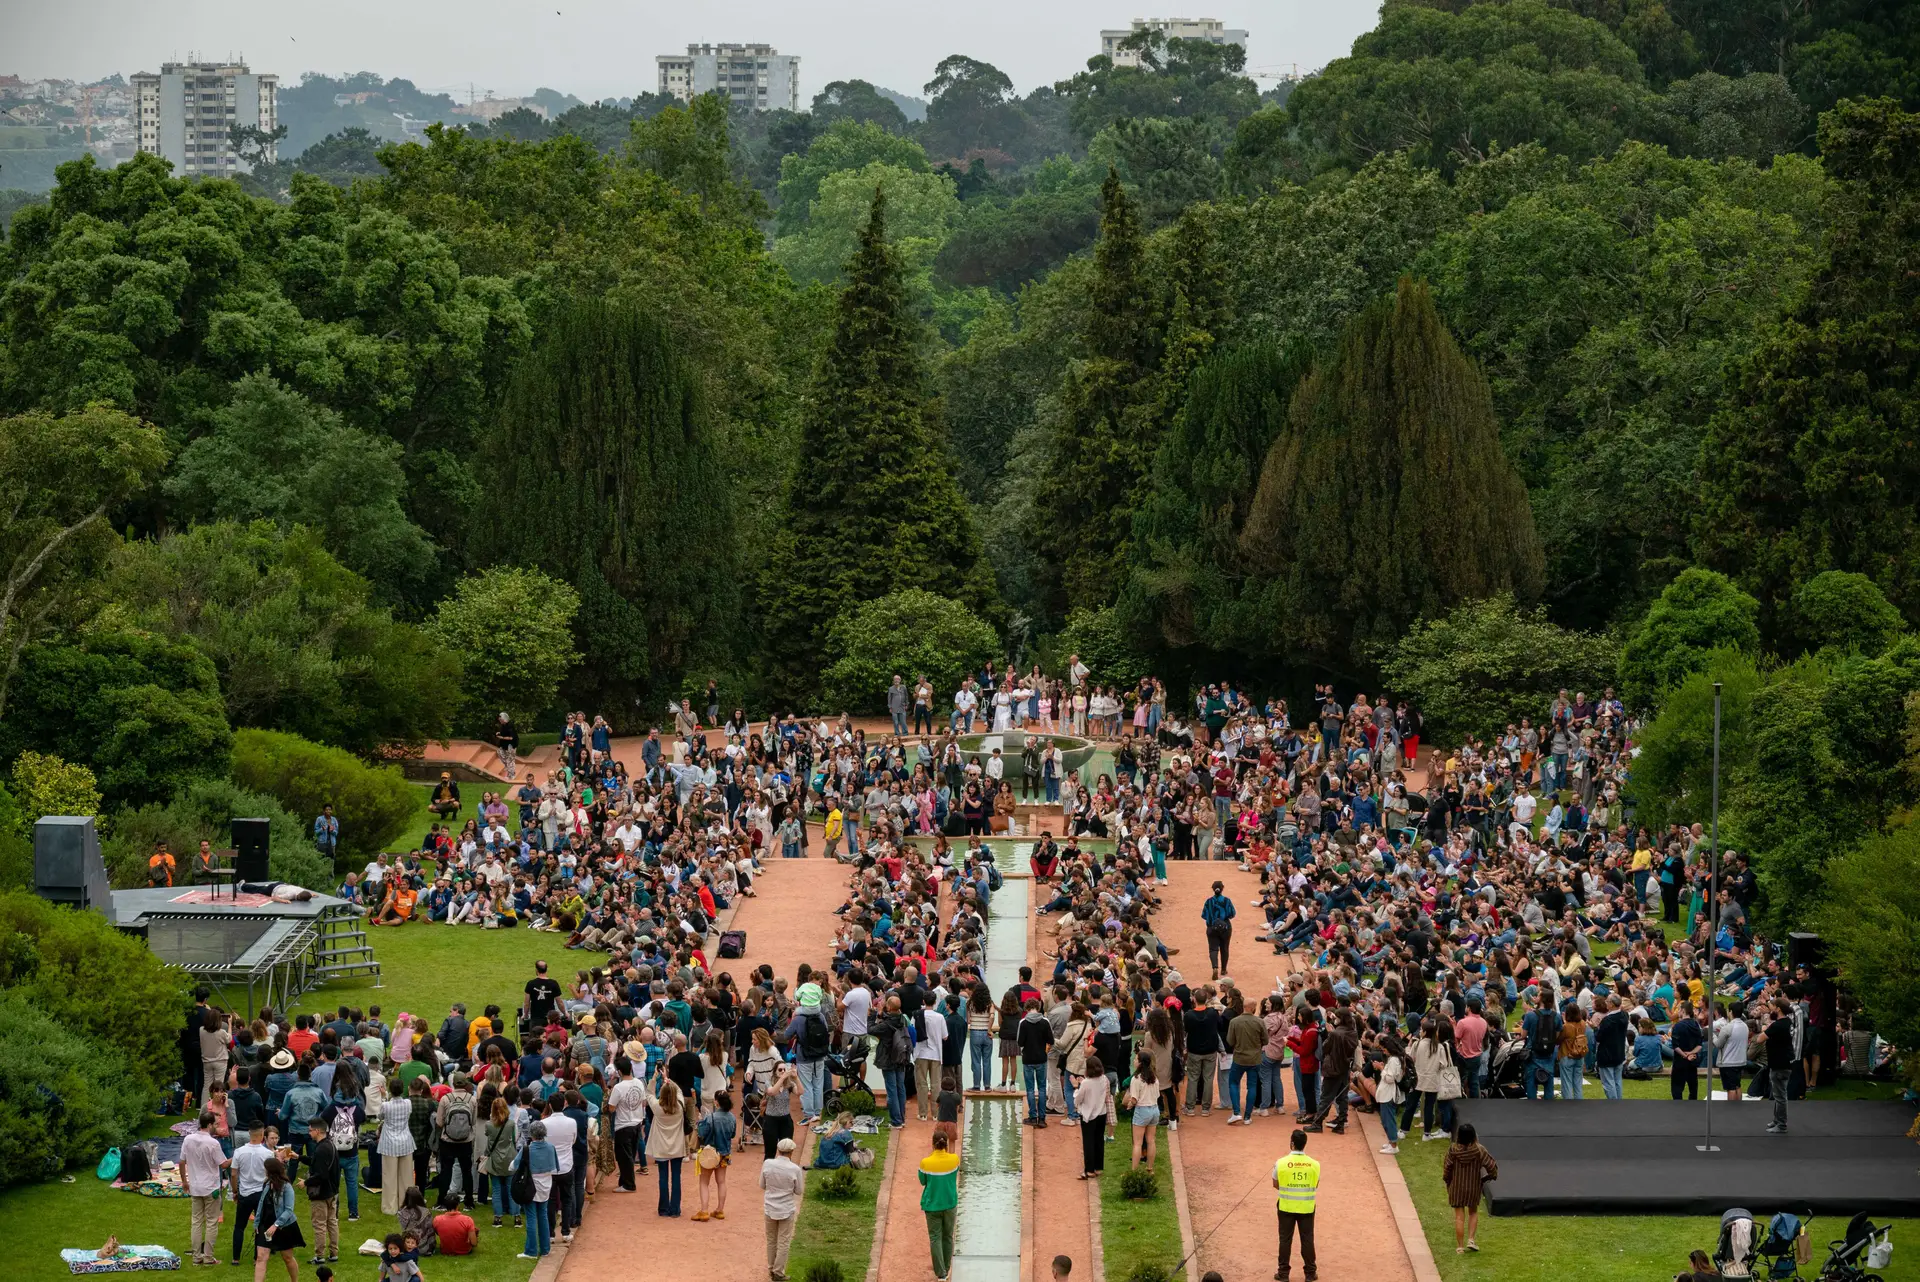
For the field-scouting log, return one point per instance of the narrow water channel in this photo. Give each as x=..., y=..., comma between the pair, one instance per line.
x=987, y=1232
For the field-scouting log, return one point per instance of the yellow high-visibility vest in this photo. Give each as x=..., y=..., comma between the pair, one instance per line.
x=1299, y=1177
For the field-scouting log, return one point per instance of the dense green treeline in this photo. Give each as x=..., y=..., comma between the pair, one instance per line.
x=1459, y=363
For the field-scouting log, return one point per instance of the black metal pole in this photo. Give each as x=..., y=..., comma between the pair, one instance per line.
x=1713, y=897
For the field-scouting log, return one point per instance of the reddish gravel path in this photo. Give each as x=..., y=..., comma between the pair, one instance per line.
x=1229, y=1169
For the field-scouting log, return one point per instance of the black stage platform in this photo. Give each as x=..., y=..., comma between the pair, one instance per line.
x=1625, y=1157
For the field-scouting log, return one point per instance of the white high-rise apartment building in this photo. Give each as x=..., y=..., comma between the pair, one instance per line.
x=759, y=77
x=184, y=113
x=1211, y=29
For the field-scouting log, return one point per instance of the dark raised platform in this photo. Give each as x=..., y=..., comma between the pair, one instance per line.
x=1629, y=1157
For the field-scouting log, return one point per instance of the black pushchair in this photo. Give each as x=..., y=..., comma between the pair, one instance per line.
x=1506, y=1074
x=846, y=1071
x=1864, y=1247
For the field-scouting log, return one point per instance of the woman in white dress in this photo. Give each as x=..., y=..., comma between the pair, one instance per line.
x=1002, y=711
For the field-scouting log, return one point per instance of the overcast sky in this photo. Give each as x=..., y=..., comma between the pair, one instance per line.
x=605, y=48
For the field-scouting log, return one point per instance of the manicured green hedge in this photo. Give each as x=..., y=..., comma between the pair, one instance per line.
x=373, y=803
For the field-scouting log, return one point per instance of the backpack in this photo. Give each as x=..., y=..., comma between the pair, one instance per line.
x=901, y=1045
x=1546, y=1034
x=459, y=1127
x=733, y=944
x=521, y=1185
x=1579, y=1047
x=816, y=1039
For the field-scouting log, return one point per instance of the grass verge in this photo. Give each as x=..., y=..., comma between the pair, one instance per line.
x=841, y=1231
x=1135, y=1233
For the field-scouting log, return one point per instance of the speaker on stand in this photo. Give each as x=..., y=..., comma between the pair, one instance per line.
x=250, y=850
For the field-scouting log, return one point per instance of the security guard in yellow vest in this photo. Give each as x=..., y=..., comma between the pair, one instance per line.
x=1297, y=1177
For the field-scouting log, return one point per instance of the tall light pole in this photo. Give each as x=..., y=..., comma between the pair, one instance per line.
x=1713, y=933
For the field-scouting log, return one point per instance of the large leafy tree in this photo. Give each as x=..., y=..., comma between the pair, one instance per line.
x=606, y=433
x=1450, y=87
x=1697, y=615
x=292, y=634
x=972, y=110
x=1174, y=78
x=1484, y=665
x=513, y=631
x=921, y=207
x=1388, y=497
x=872, y=506
x=860, y=102
x=847, y=144
x=142, y=711
x=1817, y=456
x=1611, y=306
x=60, y=476
x=154, y=294
x=272, y=454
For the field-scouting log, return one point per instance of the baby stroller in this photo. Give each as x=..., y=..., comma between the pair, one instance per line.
x=846, y=1071
x=1506, y=1075
x=1775, y=1254
x=1864, y=1247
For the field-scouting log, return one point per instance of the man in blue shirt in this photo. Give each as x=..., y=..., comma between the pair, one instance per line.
x=326, y=833
x=1217, y=913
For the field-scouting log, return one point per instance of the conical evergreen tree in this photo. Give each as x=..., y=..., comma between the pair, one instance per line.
x=1388, y=497
x=606, y=449
x=873, y=506
x=1185, y=574
x=1104, y=424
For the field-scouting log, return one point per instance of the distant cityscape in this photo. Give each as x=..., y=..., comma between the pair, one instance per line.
x=188, y=112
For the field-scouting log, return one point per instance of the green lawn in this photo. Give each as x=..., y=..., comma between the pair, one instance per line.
x=39, y=1220
x=840, y=1231
x=1596, y=1248
x=426, y=967
x=1135, y=1233
x=422, y=820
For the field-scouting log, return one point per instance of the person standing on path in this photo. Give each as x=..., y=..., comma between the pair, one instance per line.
x=1217, y=913
x=1094, y=1098
x=1337, y=1049
x=1297, y=1178
x=781, y=1180
x=939, y=1196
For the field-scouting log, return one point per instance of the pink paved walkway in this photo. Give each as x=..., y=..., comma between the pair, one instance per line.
x=791, y=921
x=1235, y=1228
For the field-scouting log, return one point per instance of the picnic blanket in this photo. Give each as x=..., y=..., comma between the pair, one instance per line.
x=128, y=1259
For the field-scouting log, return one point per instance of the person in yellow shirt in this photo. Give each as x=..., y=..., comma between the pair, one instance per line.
x=836, y=824
x=939, y=1196
x=1296, y=1177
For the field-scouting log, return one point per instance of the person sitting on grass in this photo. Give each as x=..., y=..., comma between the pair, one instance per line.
x=837, y=1149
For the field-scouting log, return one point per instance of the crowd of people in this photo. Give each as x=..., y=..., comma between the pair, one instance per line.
x=1423, y=901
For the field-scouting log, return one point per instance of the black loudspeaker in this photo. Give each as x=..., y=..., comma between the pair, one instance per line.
x=1806, y=949
x=67, y=868
x=250, y=850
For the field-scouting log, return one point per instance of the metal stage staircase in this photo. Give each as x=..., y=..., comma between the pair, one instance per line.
x=341, y=948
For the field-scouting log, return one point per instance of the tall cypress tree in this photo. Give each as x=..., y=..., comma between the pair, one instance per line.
x=1185, y=575
x=1104, y=423
x=873, y=506
x=606, y=450
x=1387, y=497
